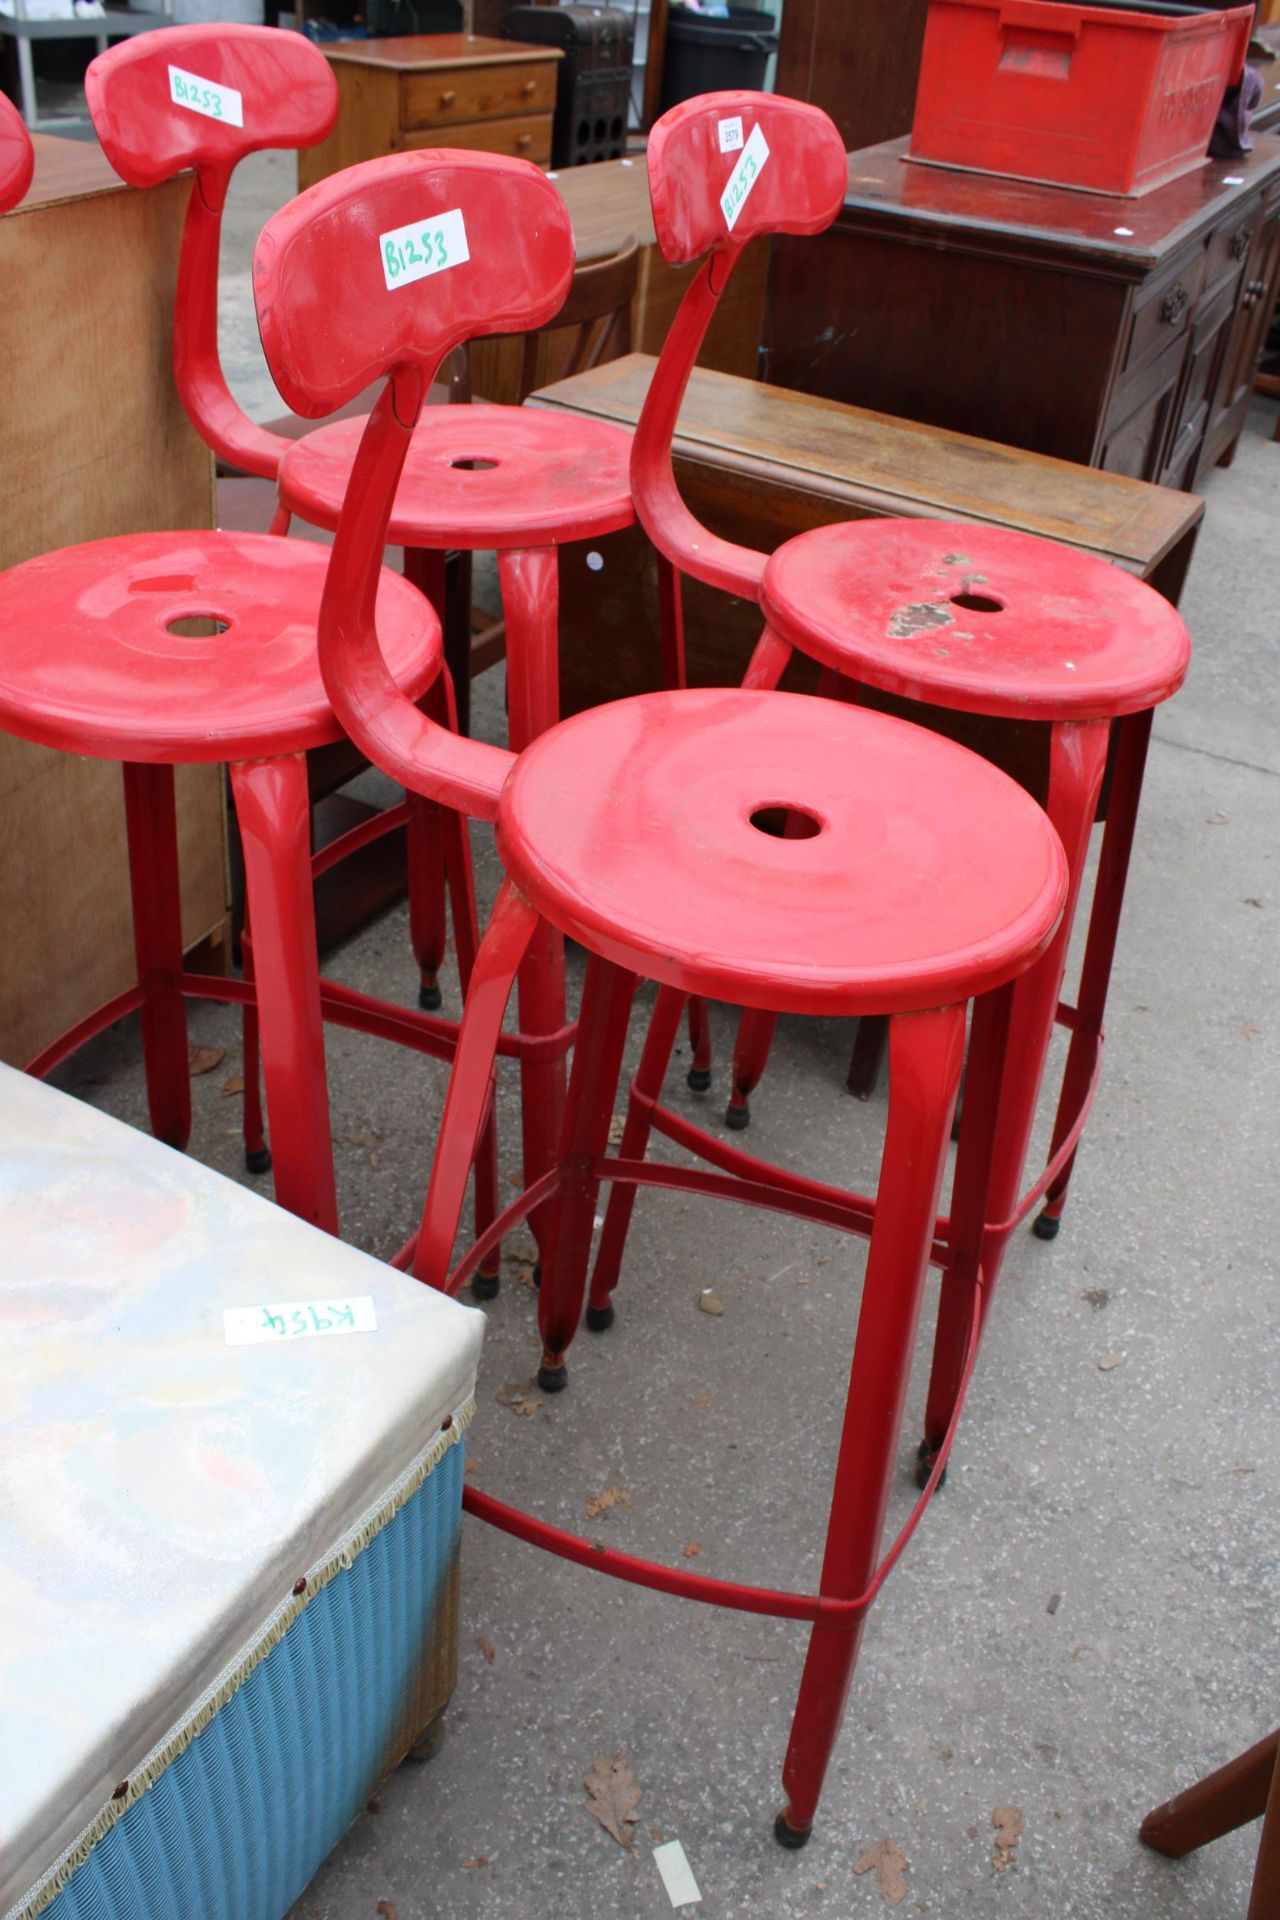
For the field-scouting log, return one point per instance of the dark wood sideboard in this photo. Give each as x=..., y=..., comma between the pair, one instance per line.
x=1121, y=333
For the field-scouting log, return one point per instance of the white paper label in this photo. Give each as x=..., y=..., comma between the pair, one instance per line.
x=204, y=96
x=744, y=177
x=731, y=134
x=426, y=247
x=298, y=1320
x=677, y=1875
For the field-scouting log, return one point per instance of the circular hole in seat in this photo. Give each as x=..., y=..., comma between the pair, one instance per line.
x=786, y=823
x=473, y=466
x=978, y=602
x=196, y=626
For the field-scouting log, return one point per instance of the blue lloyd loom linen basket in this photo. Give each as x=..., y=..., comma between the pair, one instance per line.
x=230, y=1495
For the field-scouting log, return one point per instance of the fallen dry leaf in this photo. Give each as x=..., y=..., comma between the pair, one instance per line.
x=387, y=1911
x=1096, y=1296
x=521, y=1396
x=693, y=1549
x=1010, y=1827
x=1112, y=1360
x=487, y=1648
x=204, y=1059
x=616, y=1126
x=1250, y=900
x=655, y=1834
x=888, y=1860
x=234, y=1085
x=603, y=1502
x=709, y=1301
x=614, y=1798
x=523, y=1259
x=481, y=1860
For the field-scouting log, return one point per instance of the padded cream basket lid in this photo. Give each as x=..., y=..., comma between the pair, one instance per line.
x=163, y=1486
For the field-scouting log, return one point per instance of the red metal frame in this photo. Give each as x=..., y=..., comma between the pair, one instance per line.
x=602, y=775
x=869, y=580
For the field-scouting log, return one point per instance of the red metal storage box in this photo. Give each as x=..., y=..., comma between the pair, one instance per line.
x=1111, y=99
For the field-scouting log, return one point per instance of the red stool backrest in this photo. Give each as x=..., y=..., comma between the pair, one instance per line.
x=382, y=270
x=17, y=156
x=723, y=169
x=204, y=97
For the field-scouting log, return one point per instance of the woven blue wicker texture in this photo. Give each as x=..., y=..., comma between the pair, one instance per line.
x=238, y=1824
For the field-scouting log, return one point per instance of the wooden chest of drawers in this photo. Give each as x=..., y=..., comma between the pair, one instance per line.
x=437, y=90
x=1119, y=333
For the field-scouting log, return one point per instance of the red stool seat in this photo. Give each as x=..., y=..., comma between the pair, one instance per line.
x=630, y=828
x=537, y=481
x=88, y=663
x=976, y=618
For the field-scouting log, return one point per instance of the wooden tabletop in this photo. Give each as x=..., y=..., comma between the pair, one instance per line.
x=1139, y=232
x=413, y=52
x=883, y=465
x=68, y=170
x=607, y=203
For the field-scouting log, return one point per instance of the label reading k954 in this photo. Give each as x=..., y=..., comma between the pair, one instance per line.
x=425, y=247
x=299, y=1320
x=205, y=96
x=730, y=134
x=743, y=178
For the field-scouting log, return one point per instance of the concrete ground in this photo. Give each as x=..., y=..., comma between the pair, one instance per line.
x=1085, y=1621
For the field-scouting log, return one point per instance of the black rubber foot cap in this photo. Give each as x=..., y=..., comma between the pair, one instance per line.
x=793, y=1838
x=484, y=1286
x=429, y=999
x=698, y=1079
x=553, y=1379
x=737, y=1119
x=258, y=1159
x=599, y=1319
x=1045, y=1227
x=925, y=1457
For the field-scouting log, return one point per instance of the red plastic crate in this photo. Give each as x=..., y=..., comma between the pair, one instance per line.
x=1109, y=100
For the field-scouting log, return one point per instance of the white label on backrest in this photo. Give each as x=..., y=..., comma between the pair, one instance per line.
x=299, y=1320
x=204, y=96
x=731, y=134
x=428, y=246
x=744, y=177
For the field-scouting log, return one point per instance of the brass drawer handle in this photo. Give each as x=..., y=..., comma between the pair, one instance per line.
x=1174, y=305
x=525, y=140
x=447, y=98
x=530, y=87
x=1240, y=243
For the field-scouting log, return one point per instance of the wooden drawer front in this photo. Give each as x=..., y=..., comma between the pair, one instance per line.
x=1162, y=313
x=457, y=94
x=528, y=138
x=1229, y=245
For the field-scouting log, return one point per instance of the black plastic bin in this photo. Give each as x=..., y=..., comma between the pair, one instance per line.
x=709, y=55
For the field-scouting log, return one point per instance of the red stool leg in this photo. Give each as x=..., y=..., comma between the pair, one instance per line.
x=425, y=842
x=257, y=1154
x=750, y=1058
x=273, y=811
x=925, y=1055
x=698, y=1077
x=151, y=825
x=530, y=604
x=468, y=1100
x=1078, y=755
x=597, y=1063
x=1134, y=734
x=466, y=936
x=664, y=1025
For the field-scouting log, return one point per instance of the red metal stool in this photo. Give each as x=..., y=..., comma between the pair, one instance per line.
x=478, y=478
x=970, y=618
x=916, y=876
x=17, y=156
